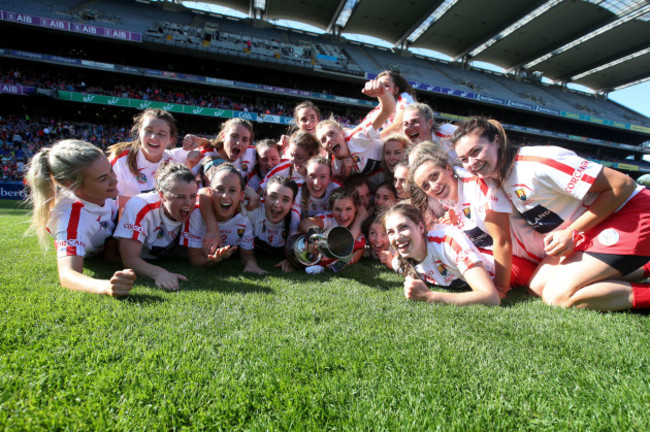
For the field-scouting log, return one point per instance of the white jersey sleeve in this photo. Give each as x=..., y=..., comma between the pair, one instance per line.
x=79, y=227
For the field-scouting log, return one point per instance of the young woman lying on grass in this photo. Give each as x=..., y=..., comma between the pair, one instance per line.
x=151, y=224
x=225, y=198
x=440, y=256
x=72, y=191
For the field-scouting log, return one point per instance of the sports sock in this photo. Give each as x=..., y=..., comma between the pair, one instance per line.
x=640, y=295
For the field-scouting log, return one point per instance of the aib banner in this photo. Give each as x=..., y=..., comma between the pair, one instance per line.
x=57, y=24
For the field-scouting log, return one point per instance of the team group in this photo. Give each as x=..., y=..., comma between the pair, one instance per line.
x=445, y=205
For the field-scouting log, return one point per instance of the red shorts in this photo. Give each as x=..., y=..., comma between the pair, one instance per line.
x=522, y=270
x=626, y=232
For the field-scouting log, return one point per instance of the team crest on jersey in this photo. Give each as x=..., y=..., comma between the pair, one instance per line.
x=468, y=212
x=442, y=269
x=355, y=158
x=240, y=232
x=141, y=178
x=244, y=167
x=521, y=194
x=313, y=206
x=104, y=225
x=161, y=233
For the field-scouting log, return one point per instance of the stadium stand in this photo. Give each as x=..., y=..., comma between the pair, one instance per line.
x=308, y=57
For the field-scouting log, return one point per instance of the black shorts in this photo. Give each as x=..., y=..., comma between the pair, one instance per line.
x=623, y=263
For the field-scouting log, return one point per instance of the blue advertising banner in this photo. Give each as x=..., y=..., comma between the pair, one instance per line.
x=12, y=190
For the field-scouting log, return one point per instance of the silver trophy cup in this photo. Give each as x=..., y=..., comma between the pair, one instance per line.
x=308, y=249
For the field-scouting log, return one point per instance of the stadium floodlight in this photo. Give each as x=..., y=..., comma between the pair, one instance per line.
x=514, y=27
x=435, y=16
x=611, y=64
x=636, y=14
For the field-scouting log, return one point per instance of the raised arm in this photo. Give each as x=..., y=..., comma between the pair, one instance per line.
x=374, y=88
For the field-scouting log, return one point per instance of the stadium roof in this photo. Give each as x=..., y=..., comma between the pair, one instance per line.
x=601, y=44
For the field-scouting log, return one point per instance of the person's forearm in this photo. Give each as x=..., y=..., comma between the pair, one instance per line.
x=76, y=281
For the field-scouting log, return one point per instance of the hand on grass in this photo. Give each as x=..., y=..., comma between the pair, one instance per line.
x=222, y=253
x=285, y=266
x=252, y=267
x=415, y=289
x=169, y=281
x=121, y=283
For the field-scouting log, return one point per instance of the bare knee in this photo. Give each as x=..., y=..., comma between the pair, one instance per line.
x=561, y=296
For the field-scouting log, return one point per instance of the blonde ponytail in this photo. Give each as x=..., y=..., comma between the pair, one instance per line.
x=59, y=167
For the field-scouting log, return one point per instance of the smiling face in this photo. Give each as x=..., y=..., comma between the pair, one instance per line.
x=298, y=157
x=344, y=211
x=384, y=197
x=416, y=127
x=436, y=181
x=179, y=202
x=318, y=178
x=236, y=140
x=154, y=135
x=478, y=155
x=307, y=119
x=99, y=182
x=269, y=158
x=227, y=193
x=406, y=236
x=277, y=202
x=393, y=153
x=332, y=139
x=377, y=238
x=400, y=181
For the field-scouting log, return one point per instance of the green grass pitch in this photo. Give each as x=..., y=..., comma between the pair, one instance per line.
x=300, y=352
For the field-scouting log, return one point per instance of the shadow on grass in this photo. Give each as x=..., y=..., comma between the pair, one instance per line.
x=518, y=296
x=142, y=299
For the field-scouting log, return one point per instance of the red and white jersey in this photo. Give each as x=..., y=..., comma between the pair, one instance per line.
x=316, y=206
x=129, y=184
x=402, y=101
x=245, y=164
x=475, y=197
x=449, y=254
x=273, y=234
x=79, y=227
x=237, y=231
x=366, y=150
x=550, y=185
x=144, y=220
x=283, y=169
